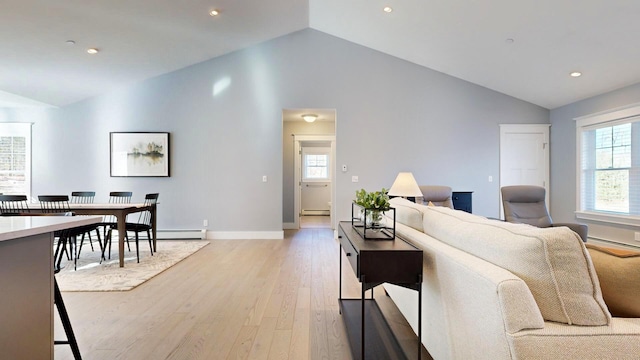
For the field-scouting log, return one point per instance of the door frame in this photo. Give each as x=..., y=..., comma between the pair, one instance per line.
x=297, y=139
x=527, y=129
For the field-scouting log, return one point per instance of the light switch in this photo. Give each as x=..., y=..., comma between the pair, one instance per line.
x=490, y=178
x=264, y=178
x=354, y=179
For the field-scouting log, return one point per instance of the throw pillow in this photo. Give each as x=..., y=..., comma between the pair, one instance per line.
x=619, y=275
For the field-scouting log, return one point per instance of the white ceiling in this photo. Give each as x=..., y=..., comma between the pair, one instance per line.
x=463, y=38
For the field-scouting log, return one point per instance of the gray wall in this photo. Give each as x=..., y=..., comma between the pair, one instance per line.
x=291, y=128
x=392, y=116
x=563, y=159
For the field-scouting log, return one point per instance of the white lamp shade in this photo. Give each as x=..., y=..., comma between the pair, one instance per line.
x=405, y=185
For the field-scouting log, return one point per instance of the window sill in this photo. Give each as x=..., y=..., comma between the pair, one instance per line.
x=628, y=220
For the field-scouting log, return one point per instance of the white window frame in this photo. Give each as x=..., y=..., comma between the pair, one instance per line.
x=316, y=151
x=612, y=117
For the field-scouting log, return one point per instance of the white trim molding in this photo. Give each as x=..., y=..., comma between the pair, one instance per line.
x=582, y=122
x=609, y=218
x=245, y=235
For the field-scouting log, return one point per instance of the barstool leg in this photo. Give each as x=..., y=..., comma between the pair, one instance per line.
x=64, y=317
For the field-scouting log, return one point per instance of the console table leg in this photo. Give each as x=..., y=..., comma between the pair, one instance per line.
x=362, y=281
x=340, y=280
x=420, y=317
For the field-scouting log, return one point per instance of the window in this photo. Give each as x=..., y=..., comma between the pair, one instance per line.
x=15, y=158
x=609, y=168
x=315, y=164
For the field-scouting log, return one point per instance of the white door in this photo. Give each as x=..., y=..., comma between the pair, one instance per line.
x=524, y=156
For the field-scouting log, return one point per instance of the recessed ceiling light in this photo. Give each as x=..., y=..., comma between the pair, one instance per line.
x=576, y=74
x=387, y=9
x=92, y=51
x=509, y=41
x=214, y=12
x=70, y=42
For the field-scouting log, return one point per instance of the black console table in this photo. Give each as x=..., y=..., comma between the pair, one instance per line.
x=462, y=200
x=375, y=262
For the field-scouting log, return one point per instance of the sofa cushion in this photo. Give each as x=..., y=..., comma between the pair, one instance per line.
x=552, y=261
x=407, y=212
x=619, y=275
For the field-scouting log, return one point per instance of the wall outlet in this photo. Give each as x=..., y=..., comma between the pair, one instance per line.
x=264, y=178
x=636, y=236
x=490, y=178
x=344, y=168
x=354, y=179
x=205, y=223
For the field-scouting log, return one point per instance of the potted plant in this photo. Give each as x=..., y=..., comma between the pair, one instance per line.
x=373, y=205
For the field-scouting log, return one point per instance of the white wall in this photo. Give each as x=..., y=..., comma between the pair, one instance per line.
x=392, y=116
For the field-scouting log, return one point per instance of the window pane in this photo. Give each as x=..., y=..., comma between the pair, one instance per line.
x=316, y=166
x=604, y=160
x=622, y=157
x=603, y=138
x=612, y=190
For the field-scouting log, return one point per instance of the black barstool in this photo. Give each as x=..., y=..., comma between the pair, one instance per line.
x=64, y=318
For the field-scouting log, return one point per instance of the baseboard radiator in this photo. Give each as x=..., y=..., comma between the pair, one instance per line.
x=315, y=212
x=181, y=234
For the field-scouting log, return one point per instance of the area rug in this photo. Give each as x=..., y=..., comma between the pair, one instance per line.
x=109, y=276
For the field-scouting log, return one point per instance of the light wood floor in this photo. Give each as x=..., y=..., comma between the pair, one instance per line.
x=234, y=299
x=315, y=222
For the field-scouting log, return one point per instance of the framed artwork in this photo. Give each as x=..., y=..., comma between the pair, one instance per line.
x=139, y=154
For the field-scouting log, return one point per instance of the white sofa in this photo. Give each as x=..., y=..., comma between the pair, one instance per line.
x=495, y=290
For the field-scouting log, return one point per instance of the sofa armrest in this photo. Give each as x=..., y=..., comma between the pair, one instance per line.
x=581, y=229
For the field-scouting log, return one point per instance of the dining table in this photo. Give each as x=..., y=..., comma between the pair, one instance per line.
x=120, y=211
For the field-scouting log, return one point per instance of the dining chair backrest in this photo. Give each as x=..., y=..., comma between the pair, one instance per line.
x=120, y=197
x=13, y=204
x=145, y=216
x=82, y=197
x=54, y=203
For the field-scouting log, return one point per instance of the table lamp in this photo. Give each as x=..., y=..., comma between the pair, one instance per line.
x=405, y=186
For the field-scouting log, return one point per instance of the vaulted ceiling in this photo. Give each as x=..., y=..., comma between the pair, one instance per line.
x=524, y=48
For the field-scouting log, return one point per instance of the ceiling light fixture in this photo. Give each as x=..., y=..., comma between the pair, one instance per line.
x=70, y=42
x=576, y=74
x=214, y=12
x=309, y=117
x=387, y=9
x=92, y=51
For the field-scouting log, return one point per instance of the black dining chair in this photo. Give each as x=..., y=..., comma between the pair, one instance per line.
x=144, y=224
x=87, y=197
x=13, y=204
x=110, y=221
x=59, y=204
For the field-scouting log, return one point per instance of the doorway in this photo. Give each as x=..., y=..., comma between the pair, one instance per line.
x=309, y=169
x=524, y=156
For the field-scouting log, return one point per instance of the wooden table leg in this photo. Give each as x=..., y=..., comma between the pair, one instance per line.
x=122, y=232
x=153, y=227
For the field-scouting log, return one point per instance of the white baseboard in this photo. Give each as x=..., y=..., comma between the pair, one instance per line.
x=181, y=234
x=245, y=235
x=289, y=226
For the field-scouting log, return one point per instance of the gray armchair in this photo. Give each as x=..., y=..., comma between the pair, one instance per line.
x=526, y=204
x=438, y=195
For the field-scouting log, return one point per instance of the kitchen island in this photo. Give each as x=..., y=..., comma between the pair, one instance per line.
x=26, y=283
